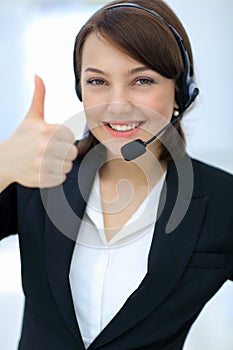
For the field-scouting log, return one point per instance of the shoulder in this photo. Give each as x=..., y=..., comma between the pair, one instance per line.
x=204, y=175
x=215, y=183
x=209, y=169
x=212, y=175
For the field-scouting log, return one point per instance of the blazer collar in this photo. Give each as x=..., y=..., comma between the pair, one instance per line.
x=170, y=251
x=171, y=248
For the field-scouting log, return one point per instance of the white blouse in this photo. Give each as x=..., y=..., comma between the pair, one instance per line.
x=103, y=273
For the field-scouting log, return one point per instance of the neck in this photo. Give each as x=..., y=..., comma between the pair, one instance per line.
x=143, y=171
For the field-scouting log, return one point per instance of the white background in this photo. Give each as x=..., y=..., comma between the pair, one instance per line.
x=39, y=39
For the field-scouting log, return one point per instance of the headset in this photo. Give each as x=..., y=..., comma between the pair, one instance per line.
x=187, y=89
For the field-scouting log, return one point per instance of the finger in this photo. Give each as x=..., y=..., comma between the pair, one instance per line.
x=37, y=105
x=61, y=151
x=56, y=167
x=51, y=180
x=63, y=133
x=67, y=167
x=66, y=152
x=72, y=154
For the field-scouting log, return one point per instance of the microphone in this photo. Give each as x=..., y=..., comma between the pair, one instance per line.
x=137, y=148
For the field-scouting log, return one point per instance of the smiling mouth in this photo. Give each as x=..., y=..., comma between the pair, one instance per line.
x=124, y=127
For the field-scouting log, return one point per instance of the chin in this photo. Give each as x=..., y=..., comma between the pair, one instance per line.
x=113, y=153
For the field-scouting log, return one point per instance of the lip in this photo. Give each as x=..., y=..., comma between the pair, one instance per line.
x=123, y=134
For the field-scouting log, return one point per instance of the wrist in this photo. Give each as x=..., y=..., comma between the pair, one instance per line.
x=6, y=173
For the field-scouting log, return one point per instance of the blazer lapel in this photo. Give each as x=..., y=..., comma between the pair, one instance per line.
x=169, y=253
x=65, y=207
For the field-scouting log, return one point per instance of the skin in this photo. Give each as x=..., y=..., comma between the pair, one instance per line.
x=118, y=89
x=38, y=154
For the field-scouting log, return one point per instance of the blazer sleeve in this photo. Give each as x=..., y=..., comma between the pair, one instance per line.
x=8, y=211
x=231, y=221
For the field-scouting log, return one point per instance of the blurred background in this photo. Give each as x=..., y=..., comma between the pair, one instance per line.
x=37, y=36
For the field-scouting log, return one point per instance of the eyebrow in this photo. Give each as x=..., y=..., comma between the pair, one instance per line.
x=130, y=72
x=139, y=69
x=95, y=70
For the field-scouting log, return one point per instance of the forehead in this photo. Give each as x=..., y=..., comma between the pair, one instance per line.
x=97, y=51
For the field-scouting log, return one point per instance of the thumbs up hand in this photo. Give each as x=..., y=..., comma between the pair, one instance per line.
x=40, y=154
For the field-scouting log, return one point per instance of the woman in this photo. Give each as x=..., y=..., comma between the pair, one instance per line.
x=120, y=249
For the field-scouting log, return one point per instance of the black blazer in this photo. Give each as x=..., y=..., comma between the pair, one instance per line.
x=186, y=267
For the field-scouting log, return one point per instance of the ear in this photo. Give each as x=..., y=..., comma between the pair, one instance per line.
x=176, y=106
x=176, y=110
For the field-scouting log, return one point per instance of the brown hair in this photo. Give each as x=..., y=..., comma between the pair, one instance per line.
x=145, y=38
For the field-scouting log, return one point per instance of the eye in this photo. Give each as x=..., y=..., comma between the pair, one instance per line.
x=95, y=81
x=143, y=81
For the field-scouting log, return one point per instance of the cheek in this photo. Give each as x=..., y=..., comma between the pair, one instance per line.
x=93, y=102
x=159, y=107
x=160, y=99
x=94, y=113
x=89, y=98
x=164, y=104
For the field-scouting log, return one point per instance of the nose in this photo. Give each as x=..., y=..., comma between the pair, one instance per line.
x=119, y=101
x=119, y=108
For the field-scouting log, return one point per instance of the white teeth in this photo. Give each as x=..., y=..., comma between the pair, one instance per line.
x=124, y=127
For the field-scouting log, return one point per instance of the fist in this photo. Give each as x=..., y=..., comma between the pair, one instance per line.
x=41, y=154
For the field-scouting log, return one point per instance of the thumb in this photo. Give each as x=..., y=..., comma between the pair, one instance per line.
x=37, y=105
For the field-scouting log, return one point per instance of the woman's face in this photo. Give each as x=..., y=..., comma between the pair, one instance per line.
x=123, y=99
